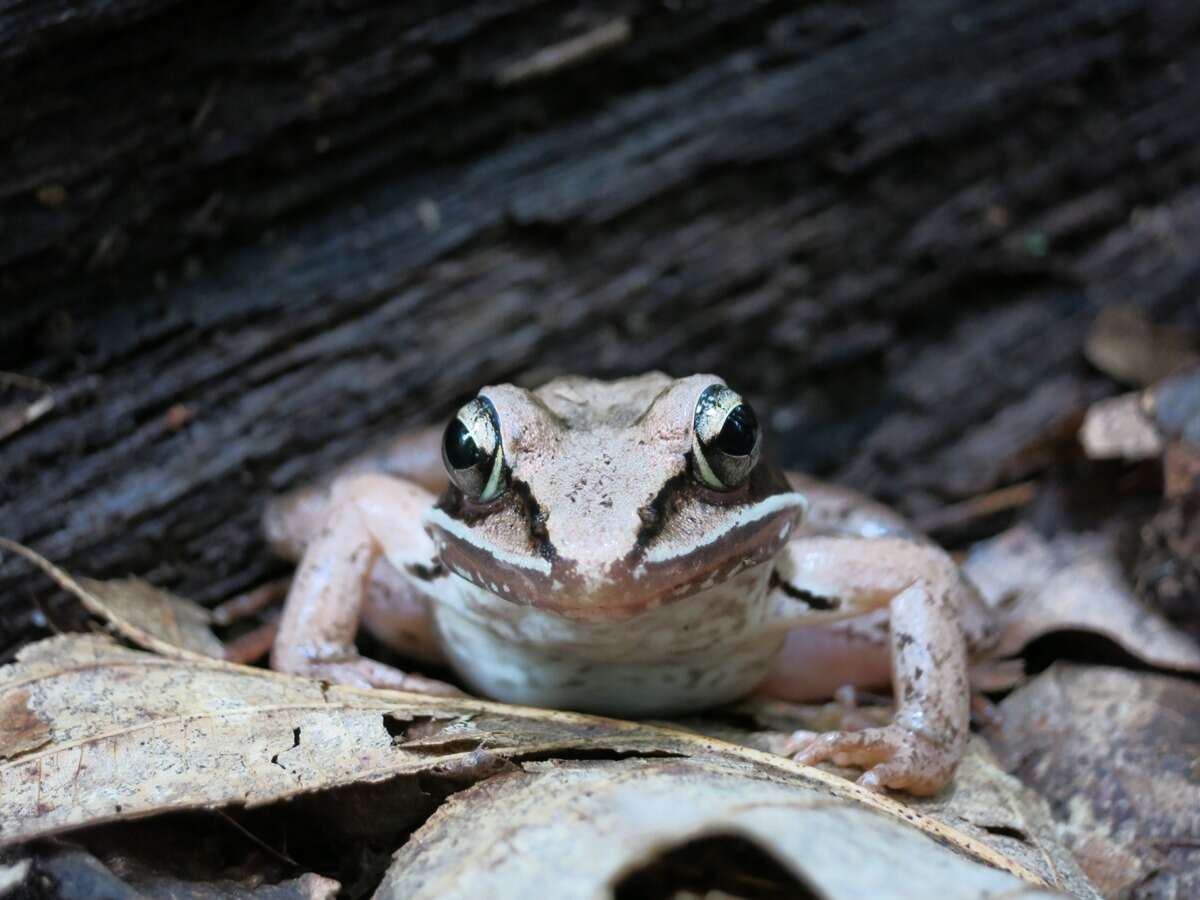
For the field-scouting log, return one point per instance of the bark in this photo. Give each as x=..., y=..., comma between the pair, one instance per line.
x=246, y=241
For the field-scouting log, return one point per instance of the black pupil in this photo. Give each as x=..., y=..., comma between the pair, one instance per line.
x=461, y=449
x=738, y=434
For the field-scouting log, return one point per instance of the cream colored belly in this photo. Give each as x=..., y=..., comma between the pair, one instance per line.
x=700, y=651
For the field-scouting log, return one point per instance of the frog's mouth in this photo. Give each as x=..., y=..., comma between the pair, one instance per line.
x=647, y=577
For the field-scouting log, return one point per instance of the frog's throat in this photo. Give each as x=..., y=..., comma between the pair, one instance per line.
x=644, y=579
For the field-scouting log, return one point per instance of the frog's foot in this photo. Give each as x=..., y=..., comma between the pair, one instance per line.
x=892, y=757
x=367, y=673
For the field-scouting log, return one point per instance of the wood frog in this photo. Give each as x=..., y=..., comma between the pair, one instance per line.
x=625, y=547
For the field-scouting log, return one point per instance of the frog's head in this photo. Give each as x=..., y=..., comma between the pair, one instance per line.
x=600, y=500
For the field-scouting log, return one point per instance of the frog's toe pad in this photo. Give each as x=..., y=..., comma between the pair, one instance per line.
x=367, y=673
x=892, y=757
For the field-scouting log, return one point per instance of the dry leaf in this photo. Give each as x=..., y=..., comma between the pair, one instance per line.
x=1118, y=428
x=132, y=734
x=572, y=831
x=1073, y=583
x=137, y=610
x=984, y=801
x=21, y=729
x=1126, y=345
x=1115, y=754
x=1008, y=816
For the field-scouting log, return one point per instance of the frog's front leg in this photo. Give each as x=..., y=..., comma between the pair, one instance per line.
x=370, y=520
x=922, y=590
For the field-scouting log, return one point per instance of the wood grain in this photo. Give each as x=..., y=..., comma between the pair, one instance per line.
x=245, y=243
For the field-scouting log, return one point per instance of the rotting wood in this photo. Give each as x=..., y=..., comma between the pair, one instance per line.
x=310, y=226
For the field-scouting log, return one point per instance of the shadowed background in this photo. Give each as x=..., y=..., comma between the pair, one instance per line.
x=245, y=241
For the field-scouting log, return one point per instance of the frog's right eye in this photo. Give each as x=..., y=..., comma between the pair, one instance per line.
x=473, y=453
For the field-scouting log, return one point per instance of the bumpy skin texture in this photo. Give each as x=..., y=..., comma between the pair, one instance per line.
x=566, y=597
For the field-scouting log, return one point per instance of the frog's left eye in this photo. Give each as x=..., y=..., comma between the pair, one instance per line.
x=473, y=453
x=726, y=439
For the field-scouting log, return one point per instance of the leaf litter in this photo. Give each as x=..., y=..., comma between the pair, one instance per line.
x=1114, y=752
x=104, y=735
x=1073, y=582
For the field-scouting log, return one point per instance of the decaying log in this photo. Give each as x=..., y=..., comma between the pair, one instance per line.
x=244, y=242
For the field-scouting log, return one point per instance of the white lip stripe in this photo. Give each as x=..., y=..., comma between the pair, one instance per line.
x=456, y=528
x=750, y=514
